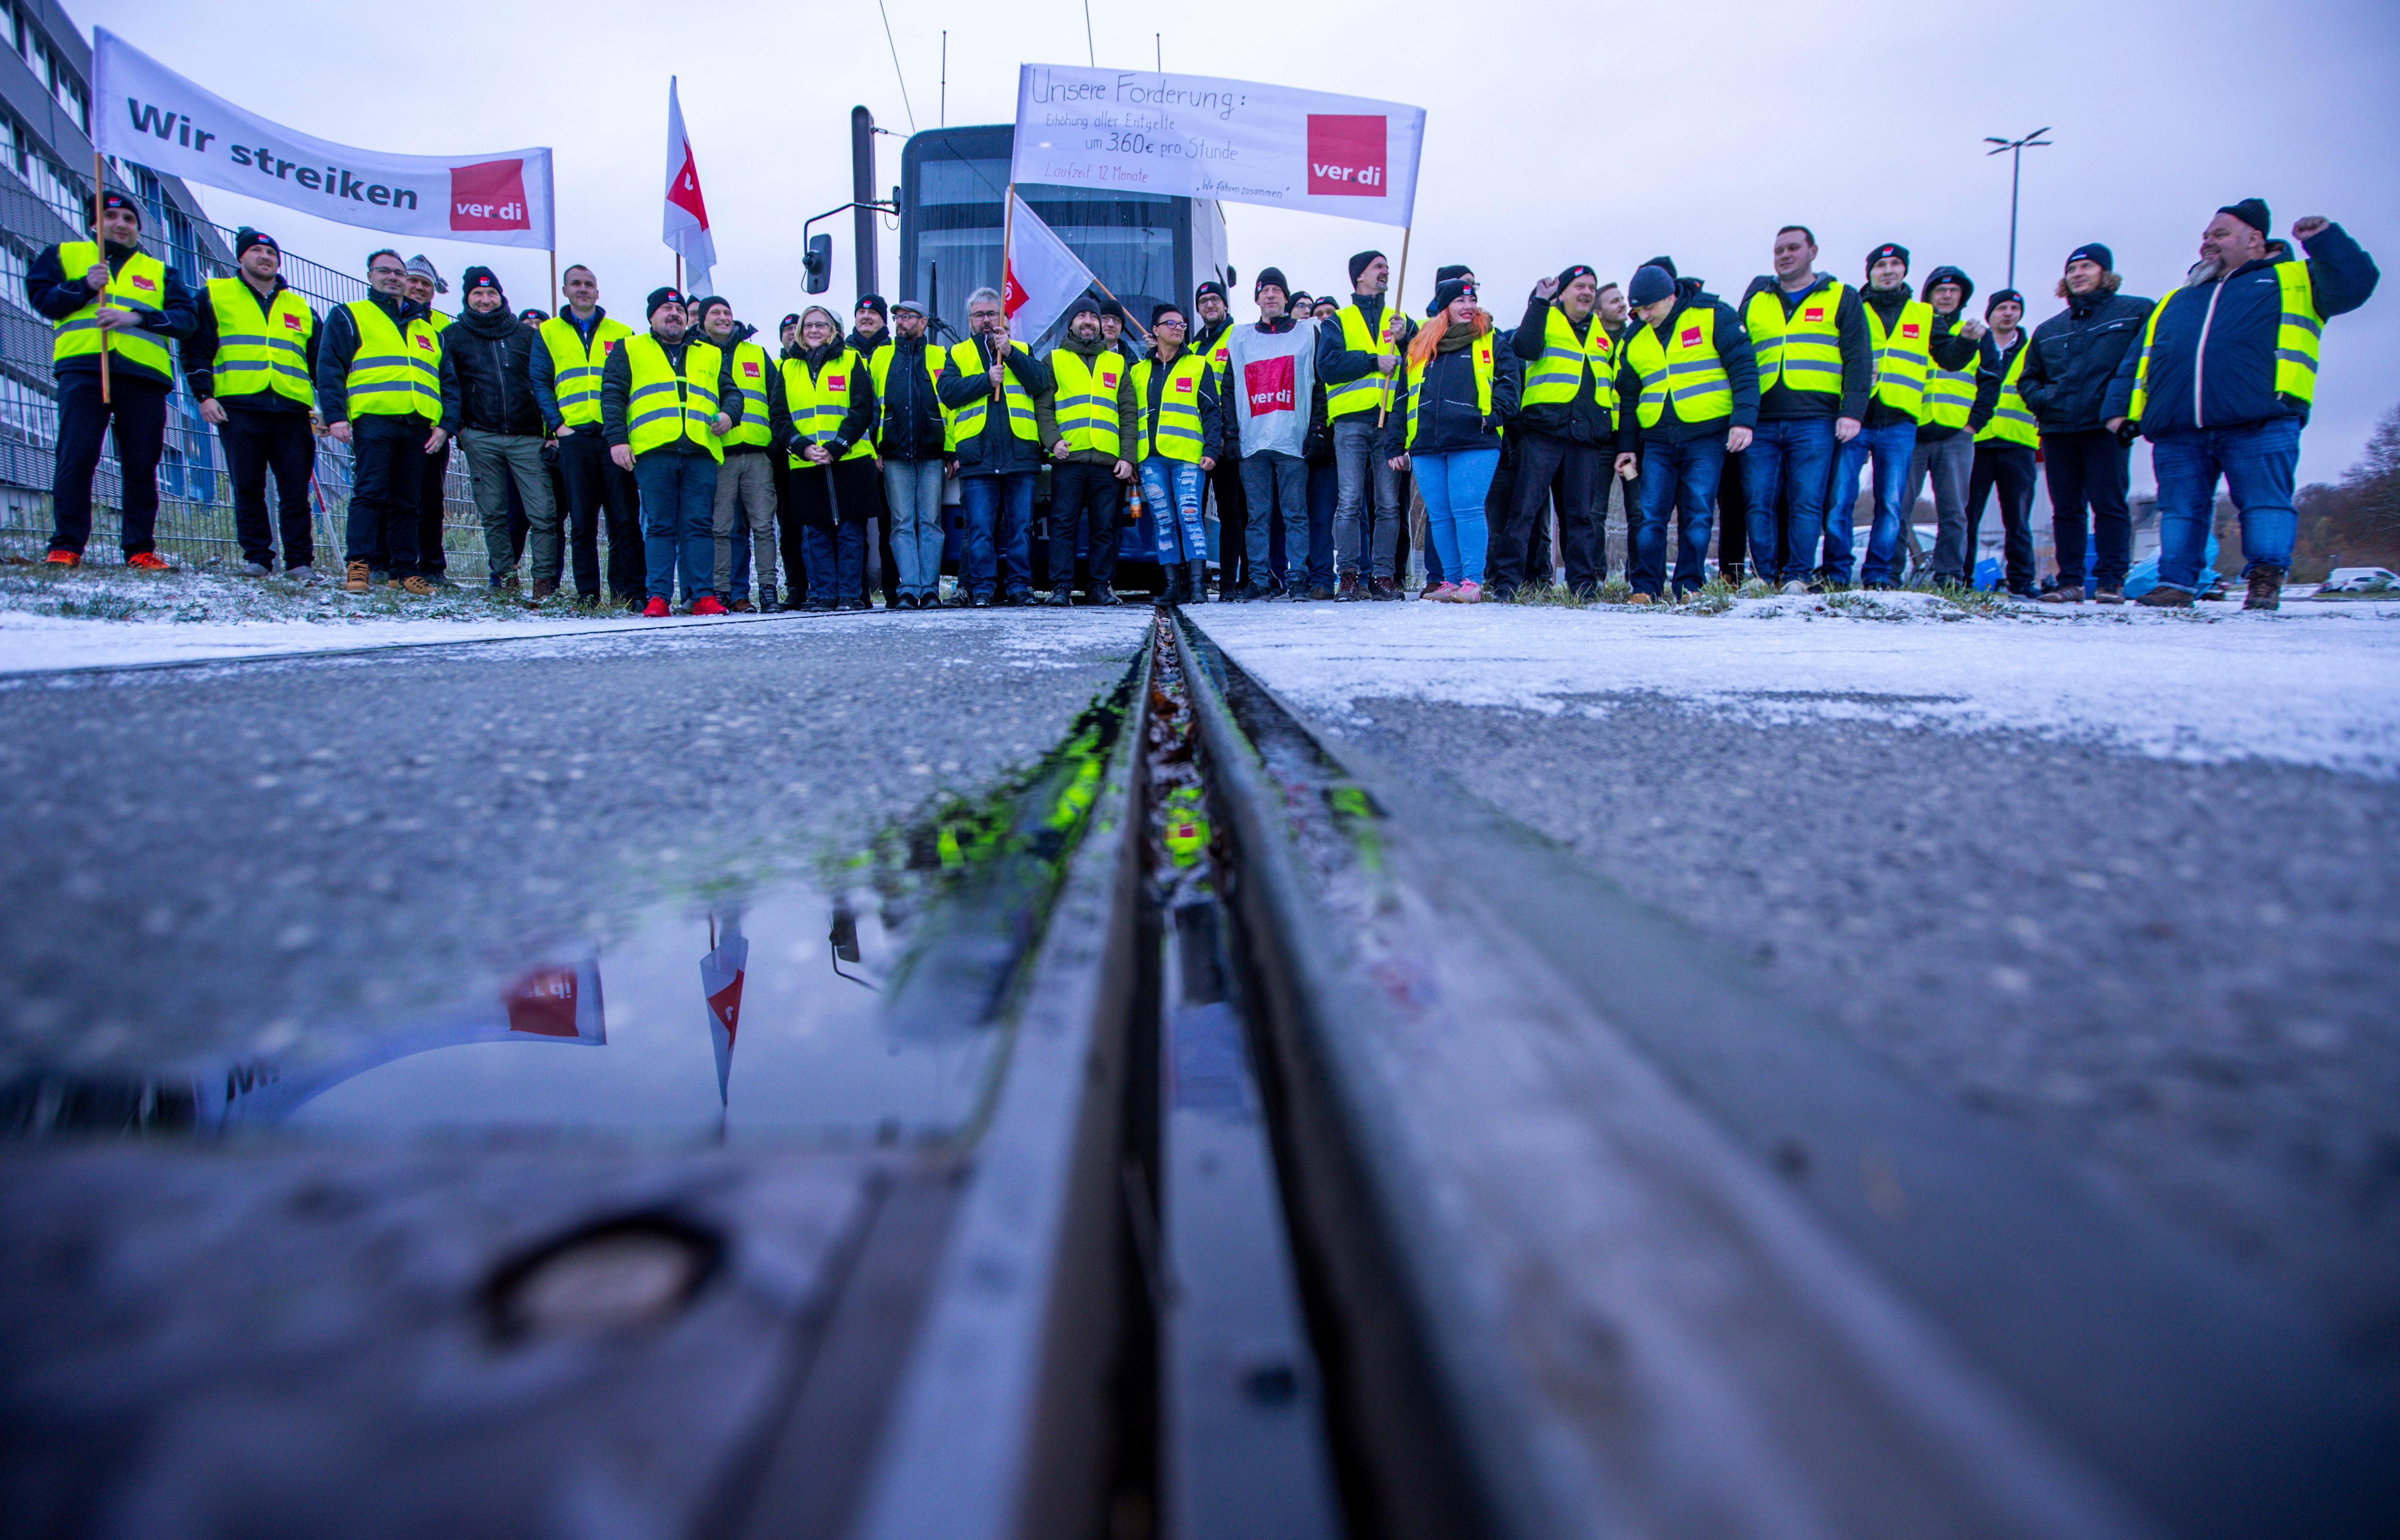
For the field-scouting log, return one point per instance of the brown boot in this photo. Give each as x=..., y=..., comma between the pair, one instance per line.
x=357, y=578
x=542, y=589
x=416, y=588
x=2266, y=589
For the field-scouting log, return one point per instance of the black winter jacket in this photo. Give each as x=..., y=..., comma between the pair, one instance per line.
x=996, y=450
x=2069, y=382
x=2239, y=317
x=1582, y=420
x=857, y=422
x=1992, y=367
x=911, y=426
x=56, y=295
x=1447, y=422
x=340, y=344
x=490, y=359
x=199, y=353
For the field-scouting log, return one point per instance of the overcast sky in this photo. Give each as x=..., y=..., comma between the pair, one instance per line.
x=1599, y=133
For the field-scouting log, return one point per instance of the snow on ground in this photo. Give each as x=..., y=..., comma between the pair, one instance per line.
x=111, y=617
x=2310, y=685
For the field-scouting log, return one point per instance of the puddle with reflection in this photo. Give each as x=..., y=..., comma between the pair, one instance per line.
x=864, y=1008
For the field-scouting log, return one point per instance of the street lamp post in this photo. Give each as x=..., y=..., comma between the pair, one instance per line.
x=2015, y=149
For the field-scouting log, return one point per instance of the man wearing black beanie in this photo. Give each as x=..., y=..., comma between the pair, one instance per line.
x=1357, y=355
x=251, y=333
x=1565, y=423
x=2076, y=384
x=489, y=356
x=2222, y=384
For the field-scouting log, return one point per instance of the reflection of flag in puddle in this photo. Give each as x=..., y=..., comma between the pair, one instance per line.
x=720, y=980
x=554, y=1003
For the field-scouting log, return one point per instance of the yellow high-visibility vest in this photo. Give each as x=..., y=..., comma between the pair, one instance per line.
x=753, y=377
x=1482, y=349
x=575, y=370
x=1803, y=352
x=818, y=399
x=1086, y=402
x=879, y=369
x=393, y=373
x=1556, y=377
x=1685, y=368
x=2298, y=336
x=1903, y=357
x=1173, y=431
x=2011, y=422
x=967, y=423
x=142, y=280
x=1949, y=394
x=262, y=346
x=662, y=406
x=1372, y=390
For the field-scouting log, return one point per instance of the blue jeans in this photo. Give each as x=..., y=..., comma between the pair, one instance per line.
x=837, y=561
x=1794, y=455
x=1677, y=474
x=2257, y=463
x=1170, y=490
x=1324, y=493
x=912, y=489
x=1273, y=483
x=1454, y=487
x=1000, y=529
x=1890, y=448
x=678, y=521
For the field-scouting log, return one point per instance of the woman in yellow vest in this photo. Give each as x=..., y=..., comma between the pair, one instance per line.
x=1456, y=391
x=1175, y=407
x=829, y=443
x=108, y=293
x=664, y=399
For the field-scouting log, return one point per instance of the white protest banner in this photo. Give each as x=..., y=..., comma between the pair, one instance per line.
x=147, y=114
x=1236, y=141
x=1041, y=276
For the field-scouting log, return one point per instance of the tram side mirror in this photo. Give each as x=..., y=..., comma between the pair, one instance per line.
x=819, y=264
x=1230, y=281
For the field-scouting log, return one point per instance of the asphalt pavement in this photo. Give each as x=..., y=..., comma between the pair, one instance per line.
x=2181, y=973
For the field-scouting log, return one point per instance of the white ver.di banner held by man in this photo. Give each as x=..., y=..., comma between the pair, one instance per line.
x=145, y=113
x=1235, y=141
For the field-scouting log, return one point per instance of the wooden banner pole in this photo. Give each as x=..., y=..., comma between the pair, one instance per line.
x=99, y=244
x=1391, y=311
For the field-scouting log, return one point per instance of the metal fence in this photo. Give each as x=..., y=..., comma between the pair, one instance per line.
x=195, y=519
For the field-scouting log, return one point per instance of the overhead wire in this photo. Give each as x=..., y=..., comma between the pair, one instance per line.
x=898, y=72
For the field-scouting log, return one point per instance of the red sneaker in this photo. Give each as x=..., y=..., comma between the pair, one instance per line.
x=707, y=604
x=655, y=610
x=148, y=560
x=64, y=558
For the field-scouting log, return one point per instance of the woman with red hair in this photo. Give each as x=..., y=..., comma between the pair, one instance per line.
x=1459, y=388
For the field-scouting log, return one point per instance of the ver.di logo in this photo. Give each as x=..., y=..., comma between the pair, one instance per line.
x=1345, y=155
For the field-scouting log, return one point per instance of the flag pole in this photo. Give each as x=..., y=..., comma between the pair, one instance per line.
x=553, y=281
x=679, y=272
x=1384, y=408
x=99, y=187
x=1121, y=305
x=1007, y=249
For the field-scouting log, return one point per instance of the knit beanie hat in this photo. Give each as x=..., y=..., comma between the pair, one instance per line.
x=480, y=278
x=2092, y=250
x=1273, y=276
x=874, y=303
x=1444, y=275
x=1651, y=283
x=701, y=306
x=534, y=313
x=111, y=200
x=1165, y=307
x=422, y=265
x=1946, y=273
x=1573, y=271
x=1665, y=262
x=1446, y=290
x=1085, y=305
x=659, y=297
x=246, y=238
x=792, y=319
x=1888, y=249
x=1358, y=265
x=2252, y=213
x=2002, y=298
x=1212, y=286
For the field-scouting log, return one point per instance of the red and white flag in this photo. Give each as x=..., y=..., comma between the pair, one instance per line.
x=685, y=232
x=721, y=972
x=1042, y=275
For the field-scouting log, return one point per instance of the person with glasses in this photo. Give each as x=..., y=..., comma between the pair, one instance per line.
x=828, y=440
x=989, y=383
x=382, y=391
x=1176, y=408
